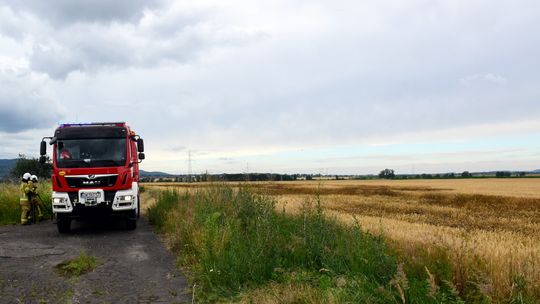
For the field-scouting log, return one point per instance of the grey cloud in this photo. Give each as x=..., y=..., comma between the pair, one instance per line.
x=85, y=42
x=11, y=24
x=127, y=45
x=23, y=106
x=64, y=12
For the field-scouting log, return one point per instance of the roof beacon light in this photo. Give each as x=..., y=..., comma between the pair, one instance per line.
x=81, y=124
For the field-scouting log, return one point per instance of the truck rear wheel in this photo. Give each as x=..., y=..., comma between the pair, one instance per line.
x=64, y=225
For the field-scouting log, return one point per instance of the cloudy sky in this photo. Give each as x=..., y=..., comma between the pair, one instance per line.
x=315, y=86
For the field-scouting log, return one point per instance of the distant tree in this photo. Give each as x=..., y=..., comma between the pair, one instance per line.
x=503, y=174
x=466, y=174
x=32, y=166
x=387, y=174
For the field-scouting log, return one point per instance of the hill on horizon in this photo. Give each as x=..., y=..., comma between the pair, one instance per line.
x=144, y=173
x=6, y=165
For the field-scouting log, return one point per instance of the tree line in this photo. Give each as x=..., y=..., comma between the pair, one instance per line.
x=390, y=174
x=31, y=165
x=43, y=170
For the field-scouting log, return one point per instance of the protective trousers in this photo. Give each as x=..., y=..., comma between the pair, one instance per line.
x=36, y=204
x=25, y=211
x=24, y=202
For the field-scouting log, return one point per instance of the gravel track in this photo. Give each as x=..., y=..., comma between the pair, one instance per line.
x=133, y=266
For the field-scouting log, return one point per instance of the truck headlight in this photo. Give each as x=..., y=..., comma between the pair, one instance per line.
x=58, y=200
x=125, y=198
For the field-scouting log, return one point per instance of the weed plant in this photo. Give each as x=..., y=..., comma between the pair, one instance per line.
x=82, y=264
x=234, y=243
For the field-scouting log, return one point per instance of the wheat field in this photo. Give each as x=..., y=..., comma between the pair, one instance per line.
x=489, y=228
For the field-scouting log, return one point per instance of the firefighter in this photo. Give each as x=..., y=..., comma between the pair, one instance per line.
x=65, y=154
x=35, y=200
x=24, y=201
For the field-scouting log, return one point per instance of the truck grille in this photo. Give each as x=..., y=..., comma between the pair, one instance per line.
x=91, y=182
x=109, y=196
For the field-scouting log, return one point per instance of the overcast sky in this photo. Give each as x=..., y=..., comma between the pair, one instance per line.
x=281, y=86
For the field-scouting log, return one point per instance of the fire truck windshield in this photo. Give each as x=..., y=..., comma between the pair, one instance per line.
x=99, y=152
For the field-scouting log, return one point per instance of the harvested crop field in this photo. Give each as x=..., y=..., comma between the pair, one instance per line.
x=488, y=228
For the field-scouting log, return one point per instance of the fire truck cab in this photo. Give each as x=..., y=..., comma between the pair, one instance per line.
x=95, y=172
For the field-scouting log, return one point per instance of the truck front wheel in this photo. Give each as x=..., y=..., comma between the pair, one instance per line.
x=138, y=206
x=64, y=225
x=131, y=221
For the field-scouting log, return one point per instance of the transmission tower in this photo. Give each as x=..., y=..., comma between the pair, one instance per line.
x=189, y=166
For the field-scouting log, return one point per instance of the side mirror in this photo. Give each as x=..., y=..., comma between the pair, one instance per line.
x=42, y=148
x=42, y=159
x=141, y=155
x=140, y=145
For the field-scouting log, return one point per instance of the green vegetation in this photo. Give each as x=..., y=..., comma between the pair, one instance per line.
x=387, y=174
x=236, y=246
x=10, y=211
x=80, y=265
x=32, y=165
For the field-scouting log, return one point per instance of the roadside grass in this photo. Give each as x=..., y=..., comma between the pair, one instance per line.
x=10, y=210
x=82, y=264
x=236, y=246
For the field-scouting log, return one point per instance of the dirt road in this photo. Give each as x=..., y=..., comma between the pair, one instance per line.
x=133, y=266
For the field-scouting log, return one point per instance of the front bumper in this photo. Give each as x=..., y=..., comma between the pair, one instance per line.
x=95, y=200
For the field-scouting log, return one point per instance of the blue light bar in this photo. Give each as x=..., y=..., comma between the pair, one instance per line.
x=80, y=124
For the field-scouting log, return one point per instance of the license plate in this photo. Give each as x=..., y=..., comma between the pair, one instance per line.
x=90, y=195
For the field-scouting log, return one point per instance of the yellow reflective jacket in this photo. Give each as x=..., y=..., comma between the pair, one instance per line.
x=34, y=192
x=25, y=191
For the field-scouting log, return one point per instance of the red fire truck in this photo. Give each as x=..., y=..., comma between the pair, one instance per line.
x=95, y=172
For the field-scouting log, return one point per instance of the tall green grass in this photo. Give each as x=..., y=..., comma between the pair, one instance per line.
x=10, y=210
x=234, y=242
